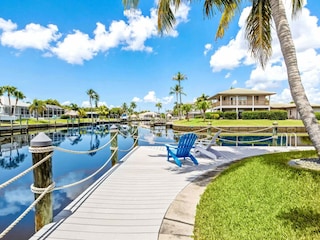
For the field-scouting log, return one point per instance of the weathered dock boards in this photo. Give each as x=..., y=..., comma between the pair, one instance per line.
x=131, y=202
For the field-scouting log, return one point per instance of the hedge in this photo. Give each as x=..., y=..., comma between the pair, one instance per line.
x=271, y=115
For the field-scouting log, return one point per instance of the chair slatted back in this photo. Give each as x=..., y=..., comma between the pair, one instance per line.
x=185, y=144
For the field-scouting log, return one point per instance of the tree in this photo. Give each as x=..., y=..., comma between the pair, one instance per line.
x=179, y=77
x=52, y=102
x=159, y=106
x=124, y=108
x=1, y=94
x=82, y=113
x=103, y=110
x=19, y=96
x=37, y=106
x=132, y=106
x=10, y=91
x=187, y=108
x=258, y=34
x=93, y=96
x=177, y=90
x=203, y=104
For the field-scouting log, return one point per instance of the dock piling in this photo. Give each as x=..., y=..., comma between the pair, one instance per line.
x=41, y=147
x=114, y=144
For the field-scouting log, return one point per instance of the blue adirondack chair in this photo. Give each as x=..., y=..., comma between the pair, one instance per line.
x=182, y=150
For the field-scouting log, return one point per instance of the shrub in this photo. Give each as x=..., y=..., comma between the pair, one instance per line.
x=230, y=115
x=64, y=116
x=271, y=115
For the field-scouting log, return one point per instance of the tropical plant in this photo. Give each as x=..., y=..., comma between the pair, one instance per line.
x=93, y=96
x=19, y=96
x=82, y=113
x=74, y=106
x=203, y=104
x=52, y=102
x=179, y=77
x=103, y=110
x=159, y=106
x=258, y=34
x=177, y=90
x=187, y=108
x=9, y=90
x=37, y=106
x=124, y=108
x=1, y=94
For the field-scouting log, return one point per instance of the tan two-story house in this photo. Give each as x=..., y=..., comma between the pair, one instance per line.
x=240, y=99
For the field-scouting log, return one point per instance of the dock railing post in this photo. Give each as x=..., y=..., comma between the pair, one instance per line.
x=136, y=136
x=274, y=133
x=209, y=129
x=114, y=144
x=41, y=147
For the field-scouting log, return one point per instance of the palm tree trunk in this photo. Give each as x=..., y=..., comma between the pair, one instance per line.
x=297, y=90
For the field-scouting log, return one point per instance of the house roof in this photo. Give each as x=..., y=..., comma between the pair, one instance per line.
x=241, y=91
x=5, y=102
x=288, y=105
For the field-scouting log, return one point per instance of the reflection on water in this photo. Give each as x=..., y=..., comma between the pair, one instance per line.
x=67, y=168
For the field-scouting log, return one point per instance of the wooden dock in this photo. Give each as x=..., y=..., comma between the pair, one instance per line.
x=131, y=201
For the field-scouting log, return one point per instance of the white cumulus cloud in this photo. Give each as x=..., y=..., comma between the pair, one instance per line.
x=32, y=36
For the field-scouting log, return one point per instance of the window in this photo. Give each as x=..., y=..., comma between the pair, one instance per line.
x=242, y=100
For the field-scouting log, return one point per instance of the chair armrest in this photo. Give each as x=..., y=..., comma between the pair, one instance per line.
x=171, y=146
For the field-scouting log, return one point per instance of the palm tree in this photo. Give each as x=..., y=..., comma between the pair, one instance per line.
x=82, y=113
x=103, y=110
x=19, y=96
x=179, y=77
x=1, y=94
x=203, y=104
x=177, y=90
x=93, y=96
x=10, y=90
x=258, y=34
x=187, y=108
x=132, y=106
x=124, y=108
x=159, y=106
x=38, y=106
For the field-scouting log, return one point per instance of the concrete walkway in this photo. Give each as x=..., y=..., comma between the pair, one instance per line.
x=145, y=197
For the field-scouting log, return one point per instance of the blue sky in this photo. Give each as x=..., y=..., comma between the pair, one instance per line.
x=60, y=49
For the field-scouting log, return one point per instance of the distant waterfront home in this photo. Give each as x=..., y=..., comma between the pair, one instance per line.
x=10, y=112
x=148, y=115
x=52, y=111
x=240, y=99
x=292, y=109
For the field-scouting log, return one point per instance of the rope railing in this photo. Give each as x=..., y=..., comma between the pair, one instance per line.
x=253, y=131
x=85, y=152
x=249, y=141
x=3, y=185
x=18, y=219
x=50, y=149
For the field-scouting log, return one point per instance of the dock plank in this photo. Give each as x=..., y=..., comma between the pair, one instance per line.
x=132, y=201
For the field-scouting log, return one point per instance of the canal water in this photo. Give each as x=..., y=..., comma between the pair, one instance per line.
x=67, y=167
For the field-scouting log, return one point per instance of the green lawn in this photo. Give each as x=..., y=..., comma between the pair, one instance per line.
x=261, y=198
x=240, y=122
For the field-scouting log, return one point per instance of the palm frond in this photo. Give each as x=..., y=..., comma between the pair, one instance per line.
x=225, y=19
x=258, y=31
x=296, y=7
x=130, y=3
x=166, y=18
